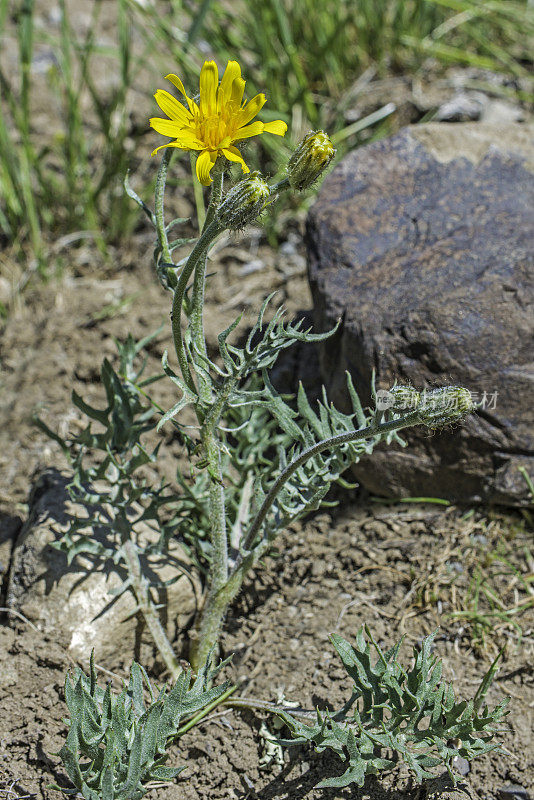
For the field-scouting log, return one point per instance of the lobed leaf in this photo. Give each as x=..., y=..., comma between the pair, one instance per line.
x=409, y=697
x=116, y=744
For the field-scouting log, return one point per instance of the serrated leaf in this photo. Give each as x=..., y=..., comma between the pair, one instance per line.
x=128, y=753
x=383, y=686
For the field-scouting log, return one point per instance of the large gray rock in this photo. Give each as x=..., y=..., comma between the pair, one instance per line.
x=75, y=604
x=424, y=244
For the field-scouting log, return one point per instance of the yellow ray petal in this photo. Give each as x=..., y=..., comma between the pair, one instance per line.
x=209, y=78
x=174, y=79
x=238, y=89
x=224, y=92
x=205, y=162
x=170, y=106
x=250, y=110
x=254, y=129
x=233, y=154
x=277, y=126
x=172, y=144
x=167, y=127
x=184, y=136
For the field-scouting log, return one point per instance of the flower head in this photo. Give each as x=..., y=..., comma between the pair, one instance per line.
x=310, y=159
x=244, y=202
x=216, y=122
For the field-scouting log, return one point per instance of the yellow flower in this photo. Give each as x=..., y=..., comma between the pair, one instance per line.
x=216, y=122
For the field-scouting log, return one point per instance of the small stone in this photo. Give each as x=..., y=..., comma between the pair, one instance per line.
x=461, y=765
x=463, y=107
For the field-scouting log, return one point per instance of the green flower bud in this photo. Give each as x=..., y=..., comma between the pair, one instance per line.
x=310, y=159
x=446, y=405
x=244, y=202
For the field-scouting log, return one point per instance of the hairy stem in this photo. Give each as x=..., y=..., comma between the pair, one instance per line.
x=196, y=266
x=198, y=252
x=280, y=186
x=146, y=606
x=196, y=317
x=216, y=194
x=265, y=705
x=209, y=623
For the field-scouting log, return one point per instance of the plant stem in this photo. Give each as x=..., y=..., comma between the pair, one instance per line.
x=280, y=186
x=265, y=705
x=216, y=194
x=220, y=594
x=196, y=317
x=196, y=263
x=208, y=626
x=199, y=251
x=146, y=606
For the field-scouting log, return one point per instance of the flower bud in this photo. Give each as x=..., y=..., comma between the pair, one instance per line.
x=244, y=202
x=446, y=405
x=310, y=159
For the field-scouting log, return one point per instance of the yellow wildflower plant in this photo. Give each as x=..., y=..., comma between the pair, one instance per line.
x=216, y=122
